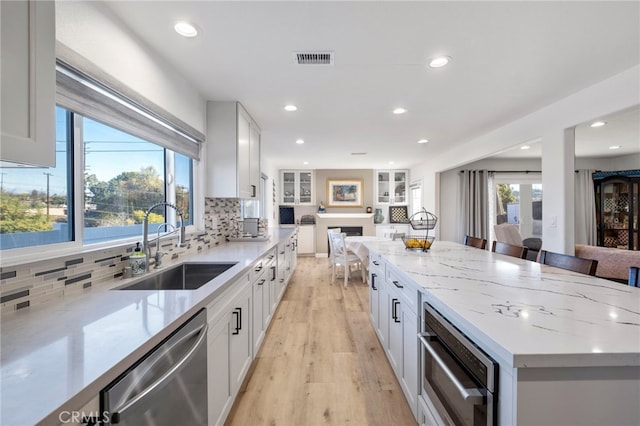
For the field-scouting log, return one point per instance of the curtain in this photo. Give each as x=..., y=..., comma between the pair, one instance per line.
x=585, y=208
x=475, y=203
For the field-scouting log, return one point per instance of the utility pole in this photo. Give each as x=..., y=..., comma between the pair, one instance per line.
x=48, y=176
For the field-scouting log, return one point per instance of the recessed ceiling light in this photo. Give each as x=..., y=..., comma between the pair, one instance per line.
x=439, y=61
x=290, y=108
x=598, y=123
x=305, y=163
x=299, y=141
x=399, y=110
x=615, y=147
x=423, y=141
x=185, y=29
x=390, y=162
x=525, y=147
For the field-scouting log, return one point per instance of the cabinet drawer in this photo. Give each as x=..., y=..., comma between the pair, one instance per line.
x=403, y=287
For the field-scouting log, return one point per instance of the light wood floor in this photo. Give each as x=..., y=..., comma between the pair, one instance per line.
x=321, y=362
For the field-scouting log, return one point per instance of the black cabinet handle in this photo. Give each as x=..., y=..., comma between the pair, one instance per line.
x=253, y=191
x=238, y=313
x=397, y=284
x=373, y=281
x=258, y=269
x=273, y=273
x=394, y=310
x=282, y=252
x=261, y=282
x=375, y=263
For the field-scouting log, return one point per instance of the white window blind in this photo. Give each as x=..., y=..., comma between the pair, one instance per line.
x=115, y=106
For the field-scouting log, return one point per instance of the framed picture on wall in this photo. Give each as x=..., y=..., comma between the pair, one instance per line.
x=344, y=192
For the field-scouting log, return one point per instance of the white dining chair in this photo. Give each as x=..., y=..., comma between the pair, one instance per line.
x=331, y=231
x=341, y=256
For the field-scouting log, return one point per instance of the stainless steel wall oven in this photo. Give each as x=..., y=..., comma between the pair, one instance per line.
x=459, y=380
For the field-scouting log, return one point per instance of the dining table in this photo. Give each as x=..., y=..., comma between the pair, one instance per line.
x=356, y=244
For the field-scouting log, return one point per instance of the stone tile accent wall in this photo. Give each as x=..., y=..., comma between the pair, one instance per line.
x=40, y=282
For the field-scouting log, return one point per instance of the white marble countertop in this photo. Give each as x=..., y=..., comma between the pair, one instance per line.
x=59, y=355
x=525, y=313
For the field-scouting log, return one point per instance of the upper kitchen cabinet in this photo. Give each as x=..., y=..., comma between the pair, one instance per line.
x=391, y=187
x=297, y=187
x=233, y=152
x=28, y=82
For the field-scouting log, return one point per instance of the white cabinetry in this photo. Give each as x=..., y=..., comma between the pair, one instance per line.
x=28, y=82
x=387, y=231
x=264, y=276
x=306, y=239
x=391, y=187
x=396, y=324
x=233, y=152
x=297, y=187
x=229, y=347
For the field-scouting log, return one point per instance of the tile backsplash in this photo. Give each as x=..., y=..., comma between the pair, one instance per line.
x=34, y=283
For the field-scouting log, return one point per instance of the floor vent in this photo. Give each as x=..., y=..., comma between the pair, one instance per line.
x=313, y=58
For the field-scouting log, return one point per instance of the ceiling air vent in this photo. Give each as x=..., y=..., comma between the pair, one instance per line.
x=358, y=153
x=313, y=58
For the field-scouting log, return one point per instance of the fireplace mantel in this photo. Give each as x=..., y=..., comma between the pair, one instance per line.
x=344, y=215
x=327, y=220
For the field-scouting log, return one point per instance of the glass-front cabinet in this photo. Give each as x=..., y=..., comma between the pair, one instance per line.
x=297, y=187
x=617, y=208
x=391, y=187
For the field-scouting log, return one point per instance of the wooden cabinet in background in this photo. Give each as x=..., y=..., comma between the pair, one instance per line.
x=617, y=208
x=233, y=152
x=28, y=82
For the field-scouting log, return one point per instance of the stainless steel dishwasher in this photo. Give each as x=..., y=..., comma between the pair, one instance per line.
x=166, y=387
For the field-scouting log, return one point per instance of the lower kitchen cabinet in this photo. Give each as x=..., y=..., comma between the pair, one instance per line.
x=307, y=239
x=229, y=347
x=263, y=286
x=396, y=324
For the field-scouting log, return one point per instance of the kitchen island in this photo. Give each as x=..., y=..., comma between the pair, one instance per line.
x=568, y=345
x=57, y=357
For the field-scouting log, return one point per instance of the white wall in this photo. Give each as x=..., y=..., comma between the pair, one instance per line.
x=617, y=93
x=92, y=31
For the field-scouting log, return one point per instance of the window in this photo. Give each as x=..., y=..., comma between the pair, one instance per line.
x=415, y=192
x=36, y=204
x=123, y=176
x=519, y=201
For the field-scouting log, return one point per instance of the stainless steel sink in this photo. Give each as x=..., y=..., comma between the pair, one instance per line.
x=188, y=276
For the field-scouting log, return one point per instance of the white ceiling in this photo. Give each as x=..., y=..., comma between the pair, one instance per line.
x=508, y=59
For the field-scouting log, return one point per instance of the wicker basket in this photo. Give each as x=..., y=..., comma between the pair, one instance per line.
x=417, y=242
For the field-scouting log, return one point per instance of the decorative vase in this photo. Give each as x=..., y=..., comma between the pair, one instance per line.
x=378, y=218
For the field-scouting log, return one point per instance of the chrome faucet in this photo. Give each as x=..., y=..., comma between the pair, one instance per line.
x=145, y=232
x=159, y=254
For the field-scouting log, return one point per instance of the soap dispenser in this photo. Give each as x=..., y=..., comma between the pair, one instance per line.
x=138, y=261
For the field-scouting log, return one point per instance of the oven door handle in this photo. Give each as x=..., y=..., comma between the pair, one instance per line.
x=167, y=376
x=472, y=395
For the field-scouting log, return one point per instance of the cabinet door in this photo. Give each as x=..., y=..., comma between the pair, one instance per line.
x=288, y=183
x=259, y=327
x=383, y=187
x=394, y=351
x=244, y=155
x=400, y=187
x=219, y=385
x=240, y=344
x=307, y=239
x=410, y=358
x=305, y=188
x=254, y=161
x=28, y=82
x=384, y=314
x=374, y=296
